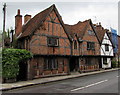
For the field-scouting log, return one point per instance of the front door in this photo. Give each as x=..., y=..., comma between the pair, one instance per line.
x=74, y=64
x=22, y=71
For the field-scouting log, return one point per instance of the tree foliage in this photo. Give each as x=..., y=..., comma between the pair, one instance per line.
x=10, y=61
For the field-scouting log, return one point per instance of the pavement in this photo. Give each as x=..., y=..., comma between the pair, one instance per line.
x=20, y=84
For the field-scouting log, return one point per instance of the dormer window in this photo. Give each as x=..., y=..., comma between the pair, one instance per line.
x=90, y=32
x=75, y=44
x=106, y=47
x=53, y=41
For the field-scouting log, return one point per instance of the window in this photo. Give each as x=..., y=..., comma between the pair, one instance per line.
x=93, y=46
x=53, y=41
x=105, y=61
x=106, y=47
x=75, y=44
x=90, y=32
x=90, y=46
x=50, y=63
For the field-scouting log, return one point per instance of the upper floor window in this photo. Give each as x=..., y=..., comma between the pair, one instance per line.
x=52, y=41
x=90, y=46
x=75, y=44
x=90, y=32
x=106, y=47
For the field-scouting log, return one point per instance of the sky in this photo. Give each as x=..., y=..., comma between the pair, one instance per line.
x=72, y=11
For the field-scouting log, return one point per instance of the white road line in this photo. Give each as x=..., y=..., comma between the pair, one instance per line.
x=89, y=85
x=117, y=76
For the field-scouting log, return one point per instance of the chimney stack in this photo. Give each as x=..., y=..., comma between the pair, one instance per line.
x=99, y=23
x=18, y=23
x=26, y=18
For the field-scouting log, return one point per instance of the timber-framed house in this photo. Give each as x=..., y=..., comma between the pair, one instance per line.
x=46, y=37
x=85, y=47
x=58, y=48
x=106, y=46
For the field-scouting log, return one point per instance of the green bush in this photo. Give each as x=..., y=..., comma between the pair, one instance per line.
x=10, y=61
x=114, y=63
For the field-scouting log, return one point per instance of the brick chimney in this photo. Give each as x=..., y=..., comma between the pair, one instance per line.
x=18, y=23
x=26, y=18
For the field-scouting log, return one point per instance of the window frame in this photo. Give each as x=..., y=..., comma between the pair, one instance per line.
x=105, y=61
x=54, y=41
x=50, y=64
x=90, y=45
x=106, y=47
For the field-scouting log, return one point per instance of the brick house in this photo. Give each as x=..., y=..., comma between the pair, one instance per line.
x=85, y=47
x=58, y=48
x=46, y=37
x=106, y=46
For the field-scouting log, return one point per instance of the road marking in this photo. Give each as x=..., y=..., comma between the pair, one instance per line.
x=117, y=76
x=89, y=85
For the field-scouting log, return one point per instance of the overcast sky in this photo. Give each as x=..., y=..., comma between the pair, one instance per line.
x=104, y=11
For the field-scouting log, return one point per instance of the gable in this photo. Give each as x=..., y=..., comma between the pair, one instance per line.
x=37, y=21
x=106, y=40
x=51, y=29
x=90, y=36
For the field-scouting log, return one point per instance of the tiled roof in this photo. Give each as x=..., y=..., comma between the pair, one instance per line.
x=34, y=23
x=78, y=29
x=100, y=31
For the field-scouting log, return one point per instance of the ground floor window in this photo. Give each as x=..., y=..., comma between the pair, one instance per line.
x=105, y=61
x=90, y=61
x=50, y=63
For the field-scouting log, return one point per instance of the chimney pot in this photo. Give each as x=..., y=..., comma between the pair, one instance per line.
x=18, y=11
x=26, y=18
x=99, y=23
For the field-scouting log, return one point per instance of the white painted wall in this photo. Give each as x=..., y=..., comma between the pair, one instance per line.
x=106, y=40
x=109, y=53
x=108, y=65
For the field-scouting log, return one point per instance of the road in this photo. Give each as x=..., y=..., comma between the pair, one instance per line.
x=99, y=83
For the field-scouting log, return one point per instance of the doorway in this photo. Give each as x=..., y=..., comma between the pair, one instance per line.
x=22, y=76
x=74, y=64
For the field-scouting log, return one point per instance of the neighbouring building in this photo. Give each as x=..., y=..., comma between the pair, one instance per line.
x=85, y=47
x=114, y=37
x=119, y=50
x=106, y=46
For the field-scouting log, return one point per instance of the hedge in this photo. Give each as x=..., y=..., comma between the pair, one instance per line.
x=10, y=61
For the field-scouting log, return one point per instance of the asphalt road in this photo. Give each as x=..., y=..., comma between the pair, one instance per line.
x=99, y=83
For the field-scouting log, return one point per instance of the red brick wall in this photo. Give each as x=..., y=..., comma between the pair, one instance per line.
x=38, y=42
x=87, y=66
x=90, y=38
x=37, y=67
x=18, y=24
